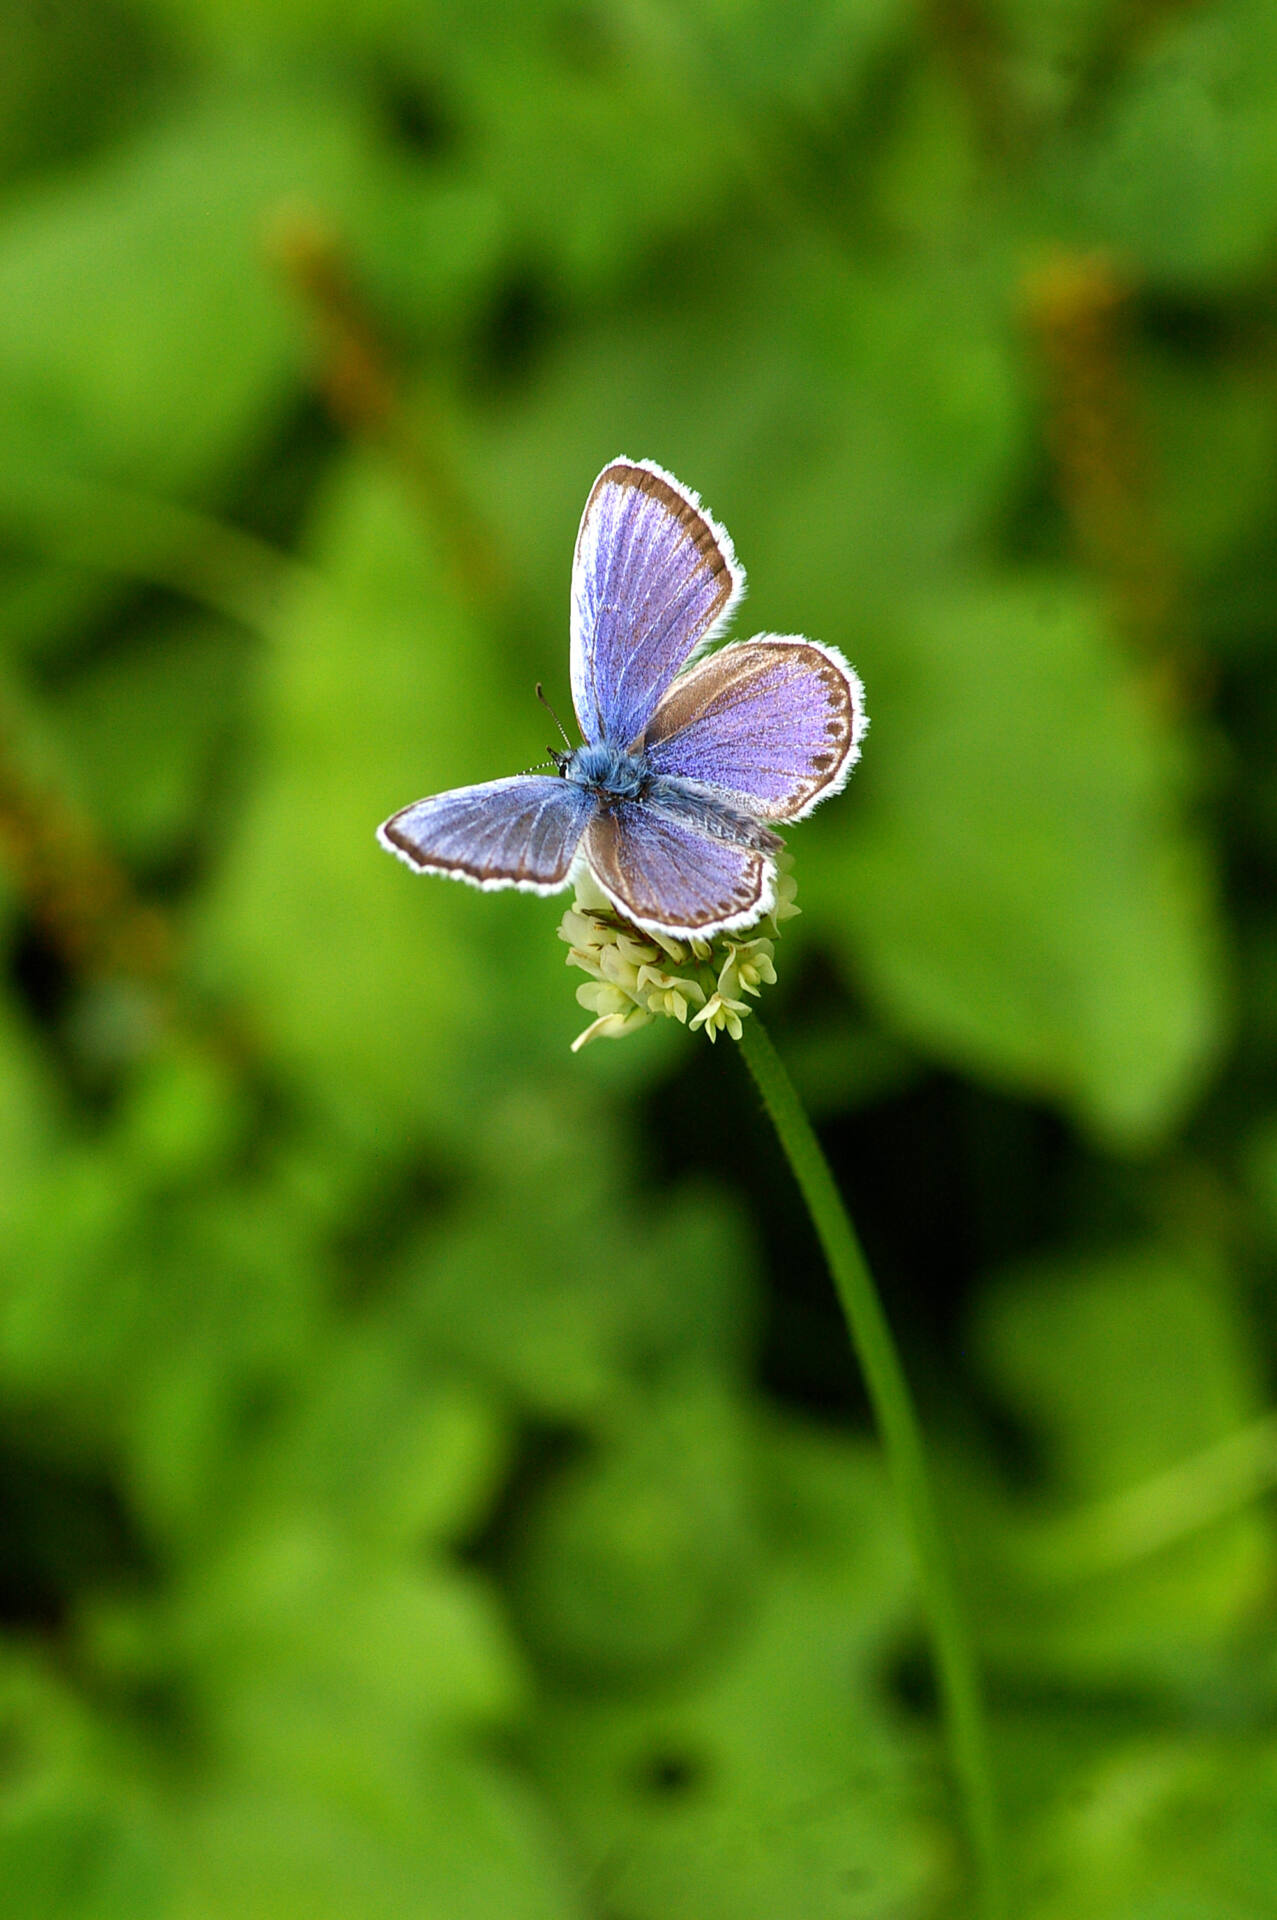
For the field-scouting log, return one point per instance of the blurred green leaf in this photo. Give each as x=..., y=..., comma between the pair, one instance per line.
x=402, y=1453
x=591, y=128
x=71, y=1857
x=247, y=33
x=1212, y=428
x=588, y=1309
x=1123, y=1367
x=1180, y=169
x=635, y=1556
x=852, y=423
x=773, y=1778
x=79, y=1838
x=303, y=1648
x=1125, y=1364
x=1018, y=886
x=141, y=339
x=385, y=992
x=767, y=55
x=73, y=77
x=120, y=290
x=468, y=1845
x=147, y=732
x=1164, y=1830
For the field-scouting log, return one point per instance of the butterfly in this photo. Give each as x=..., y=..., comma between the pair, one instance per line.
x=690, y=759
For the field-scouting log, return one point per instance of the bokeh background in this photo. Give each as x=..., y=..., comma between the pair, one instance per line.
x=433, y=1480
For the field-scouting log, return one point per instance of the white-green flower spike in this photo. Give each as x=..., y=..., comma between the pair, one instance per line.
x=637, y=976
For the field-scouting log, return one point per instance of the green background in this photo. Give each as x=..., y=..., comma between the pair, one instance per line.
x=432, y=1478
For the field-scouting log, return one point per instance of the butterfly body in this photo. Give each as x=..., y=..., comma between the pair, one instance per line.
x=676, y=824
x=612, y=775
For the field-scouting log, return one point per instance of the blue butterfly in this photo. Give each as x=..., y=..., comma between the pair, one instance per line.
x=687, y=759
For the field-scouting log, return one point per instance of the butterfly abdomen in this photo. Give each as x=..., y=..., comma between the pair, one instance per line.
x=710, y=812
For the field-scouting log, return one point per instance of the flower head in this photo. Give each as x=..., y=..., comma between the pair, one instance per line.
x=637, y=976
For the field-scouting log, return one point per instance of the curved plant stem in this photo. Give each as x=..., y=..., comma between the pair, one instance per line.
x=955, y=1663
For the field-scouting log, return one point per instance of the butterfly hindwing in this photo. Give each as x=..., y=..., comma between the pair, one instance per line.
x=522, y=832
x=664, y=873
x=775, y=722
x=653, y=578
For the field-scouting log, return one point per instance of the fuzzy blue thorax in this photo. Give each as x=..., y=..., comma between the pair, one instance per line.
x=608, y=771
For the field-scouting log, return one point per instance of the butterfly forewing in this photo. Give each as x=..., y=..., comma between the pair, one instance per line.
x=523, y=832
x=663, y=873
x=653, y=578
x=776, y=722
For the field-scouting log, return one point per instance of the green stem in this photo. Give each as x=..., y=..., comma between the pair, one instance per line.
x=898, y=1424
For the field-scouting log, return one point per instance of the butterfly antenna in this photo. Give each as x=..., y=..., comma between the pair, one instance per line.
x=553, y=715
